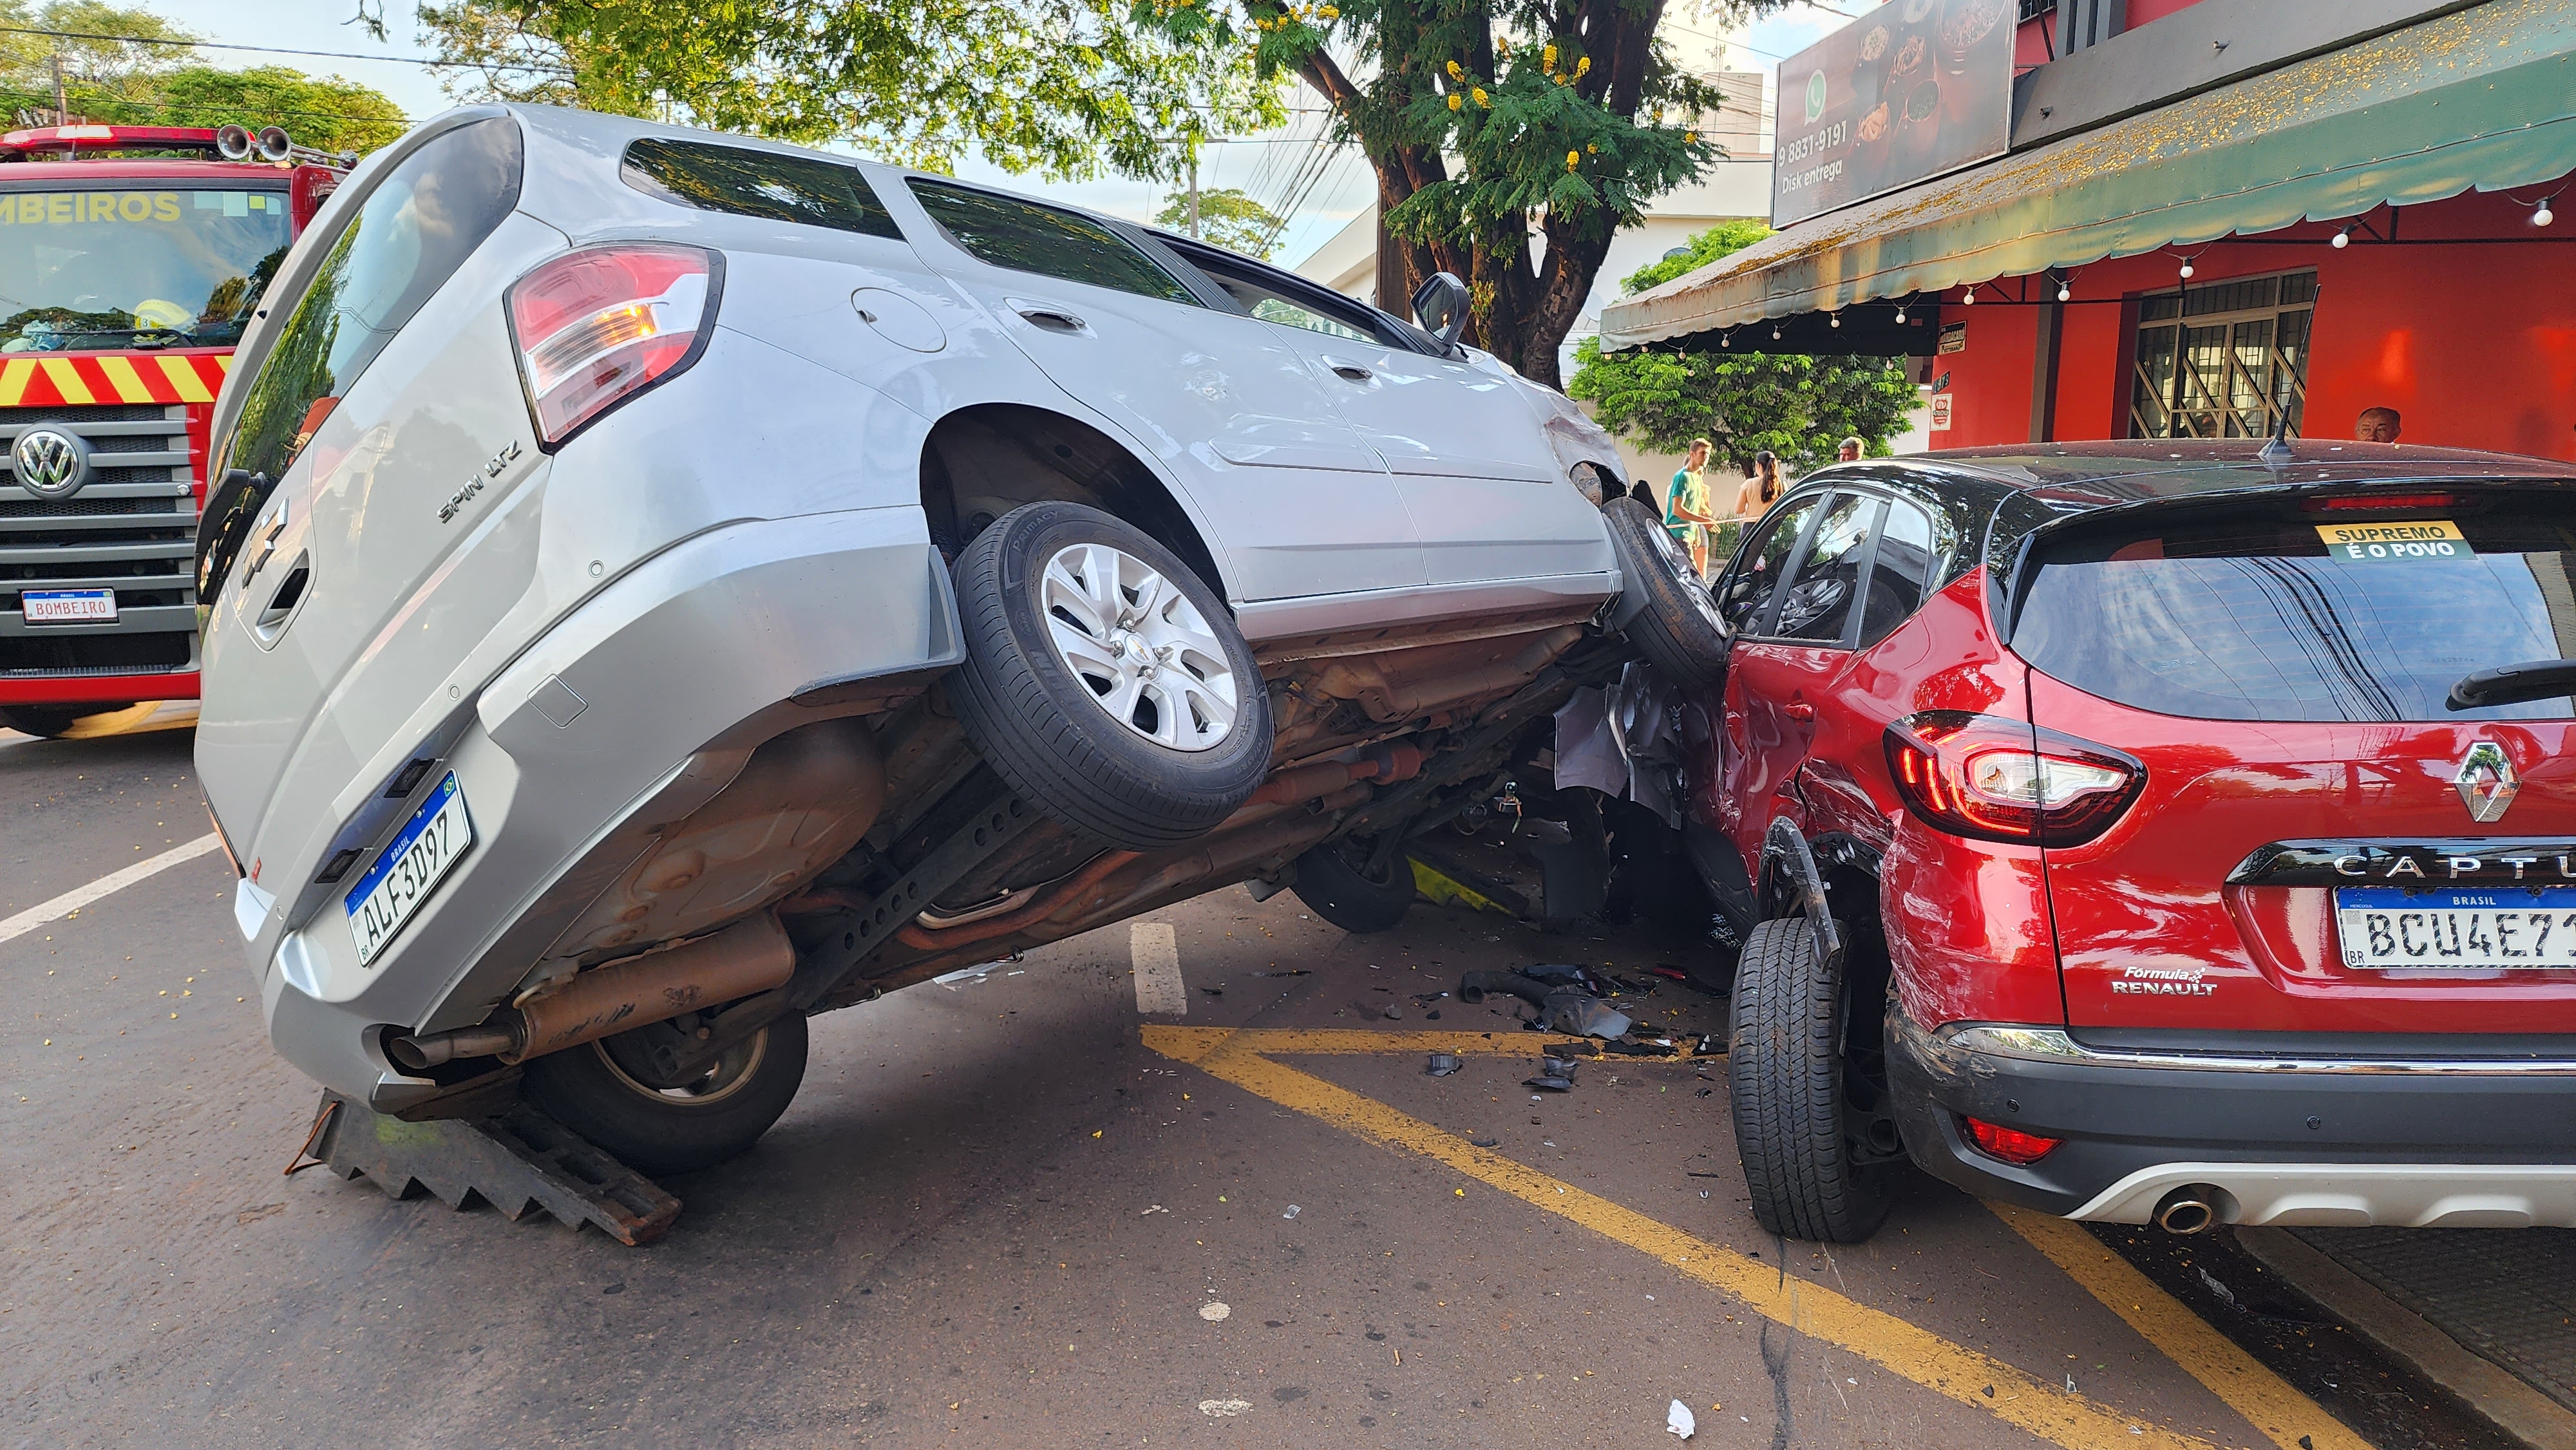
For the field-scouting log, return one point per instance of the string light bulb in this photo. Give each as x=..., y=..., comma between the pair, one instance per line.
x=2065, y=293
x=2186, y=269
x=1900, y=314
x=1775, y=332
x=1970, y=300
x=2343, y=239
x=2544, y=216
x=1837, y=319
x=1726, y=339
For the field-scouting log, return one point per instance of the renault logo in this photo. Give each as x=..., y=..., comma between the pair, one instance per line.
x=2486, y=782
x=50, y=464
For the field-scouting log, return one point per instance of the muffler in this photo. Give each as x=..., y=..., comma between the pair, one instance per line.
x=2188, y=1210
x=751, y=956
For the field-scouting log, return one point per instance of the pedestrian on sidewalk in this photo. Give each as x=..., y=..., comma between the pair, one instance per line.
x=1762, y=489
x=1686, y=510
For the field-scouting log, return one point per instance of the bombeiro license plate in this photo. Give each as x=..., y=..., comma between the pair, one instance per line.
x=418, y=858
x=68, y=606
x=2458, y=928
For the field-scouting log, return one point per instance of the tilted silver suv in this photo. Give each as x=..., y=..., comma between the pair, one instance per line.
x=663, y=585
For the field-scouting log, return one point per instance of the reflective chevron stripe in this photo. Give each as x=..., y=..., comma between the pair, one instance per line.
x=58, y=381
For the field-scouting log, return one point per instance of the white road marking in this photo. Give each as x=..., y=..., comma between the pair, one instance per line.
x=1157, y=958
x=108, y=885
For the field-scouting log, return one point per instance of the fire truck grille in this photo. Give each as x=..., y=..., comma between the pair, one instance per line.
x=130, y=530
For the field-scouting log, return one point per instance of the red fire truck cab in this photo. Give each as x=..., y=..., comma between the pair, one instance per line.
x=131, y=258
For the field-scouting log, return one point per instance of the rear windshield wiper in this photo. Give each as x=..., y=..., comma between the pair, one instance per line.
x=2513, y=684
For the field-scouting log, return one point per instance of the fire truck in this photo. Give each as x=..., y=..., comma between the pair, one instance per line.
x=131, y=258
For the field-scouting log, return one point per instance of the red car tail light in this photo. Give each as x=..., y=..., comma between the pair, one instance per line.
x=2012, y=1145
x=1993, y=779
x=2376, y=501
x=598, y=326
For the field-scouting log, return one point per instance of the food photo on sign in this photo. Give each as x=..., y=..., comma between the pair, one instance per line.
x=1909, y=90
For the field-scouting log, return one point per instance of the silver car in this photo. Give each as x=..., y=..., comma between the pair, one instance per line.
x=662, y=585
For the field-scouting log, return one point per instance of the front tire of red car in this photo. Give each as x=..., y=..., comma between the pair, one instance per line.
x=1786, y=1072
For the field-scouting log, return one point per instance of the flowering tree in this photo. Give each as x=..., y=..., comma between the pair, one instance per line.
x=1063, y=87
x=1485, y=123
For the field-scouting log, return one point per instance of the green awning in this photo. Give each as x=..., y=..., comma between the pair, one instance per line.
x=2483, y=97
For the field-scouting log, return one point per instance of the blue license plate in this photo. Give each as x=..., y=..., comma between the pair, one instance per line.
x=2457, y=928
x=413, y=863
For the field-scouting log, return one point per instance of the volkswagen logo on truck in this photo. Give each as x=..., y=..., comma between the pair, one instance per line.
x=50, y=464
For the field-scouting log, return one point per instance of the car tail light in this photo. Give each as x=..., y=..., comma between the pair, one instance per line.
x=1993, y=779
x=598, y=326
x=2376, y=501
x=2012, y=1145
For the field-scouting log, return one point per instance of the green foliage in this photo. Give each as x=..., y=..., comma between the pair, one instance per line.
x=1702, y=249
x=1057, y=86
x=154, y=85
x=1798, y=407
x=1227, y=217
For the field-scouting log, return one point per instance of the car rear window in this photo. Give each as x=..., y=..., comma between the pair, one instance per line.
x=2263, y=619
x=802, y=189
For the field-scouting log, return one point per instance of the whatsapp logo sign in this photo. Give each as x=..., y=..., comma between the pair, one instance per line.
x=1815, y=95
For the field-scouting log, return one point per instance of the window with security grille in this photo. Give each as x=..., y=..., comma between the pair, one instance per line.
x=2224, y=359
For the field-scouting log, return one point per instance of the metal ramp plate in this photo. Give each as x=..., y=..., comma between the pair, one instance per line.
x=518, y=1160
x=2506, y=1294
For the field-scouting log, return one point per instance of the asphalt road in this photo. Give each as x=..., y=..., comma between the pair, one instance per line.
x=1017, y=1211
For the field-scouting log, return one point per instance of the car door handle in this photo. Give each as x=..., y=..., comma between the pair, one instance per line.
x=1053, y=319
x=1799, y=710
x=1349, y=372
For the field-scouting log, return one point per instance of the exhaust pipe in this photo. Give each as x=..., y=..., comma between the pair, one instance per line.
x=2187, y=1210
x=749, y=957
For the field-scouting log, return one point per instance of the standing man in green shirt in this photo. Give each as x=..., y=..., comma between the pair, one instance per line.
x=1686, y=511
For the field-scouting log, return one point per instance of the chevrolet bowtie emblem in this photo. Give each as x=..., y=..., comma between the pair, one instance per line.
x=2486, y=782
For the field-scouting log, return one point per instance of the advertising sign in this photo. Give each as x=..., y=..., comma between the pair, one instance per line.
x=1911, y=89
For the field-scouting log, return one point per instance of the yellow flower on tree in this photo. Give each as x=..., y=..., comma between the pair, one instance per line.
x=1481, y=98
x=1573, y=159
x=1547, y=58
x=1581, y=66
x=1590, y=149
x=1454, y=101
x=1455, y=73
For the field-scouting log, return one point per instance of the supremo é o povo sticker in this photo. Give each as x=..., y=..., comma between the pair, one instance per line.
x=2384, y=542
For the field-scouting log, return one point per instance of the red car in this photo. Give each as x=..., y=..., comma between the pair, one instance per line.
x=2153, y=832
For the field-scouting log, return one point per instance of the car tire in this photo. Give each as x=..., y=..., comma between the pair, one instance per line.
x=1334, y=881
x=48, y=724
x=1122, y=748
x=678, y=1130
x=1664, y=608
x=1785, y=1070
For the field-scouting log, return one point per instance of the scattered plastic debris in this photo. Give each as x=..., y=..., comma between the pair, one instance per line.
x=1213, y=991
x=1157, y=1208
x=964, y=975
x=1483, y=1140
x=1710, y=1044
x=1703, y=1092
x=1442, y=1064
x=1291, y=972
x=1678, y=1420
x=1214, y=1312
x=1220, y=1409
x=1393, y=1013
x=1293, y=1211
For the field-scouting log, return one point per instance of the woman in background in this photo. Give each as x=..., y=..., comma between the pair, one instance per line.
x=1761, y=490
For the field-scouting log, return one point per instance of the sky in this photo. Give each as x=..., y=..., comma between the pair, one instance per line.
x=1330, y=189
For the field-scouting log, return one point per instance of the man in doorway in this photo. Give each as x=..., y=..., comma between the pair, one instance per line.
x=1850, y=451
x=1686, y=511
x=2376, y=425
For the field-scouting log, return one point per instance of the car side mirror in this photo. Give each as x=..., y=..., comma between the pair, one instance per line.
x=1440, y=305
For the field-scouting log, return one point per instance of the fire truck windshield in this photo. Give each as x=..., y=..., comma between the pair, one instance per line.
x=131, y=266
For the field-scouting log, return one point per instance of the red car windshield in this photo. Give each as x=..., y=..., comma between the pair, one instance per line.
x=123, y=264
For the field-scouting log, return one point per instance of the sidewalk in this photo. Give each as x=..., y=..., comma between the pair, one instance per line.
x=2488, y=1313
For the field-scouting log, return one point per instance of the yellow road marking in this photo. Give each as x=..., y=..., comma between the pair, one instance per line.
x=1909, y=1351
x=2262, y=1397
